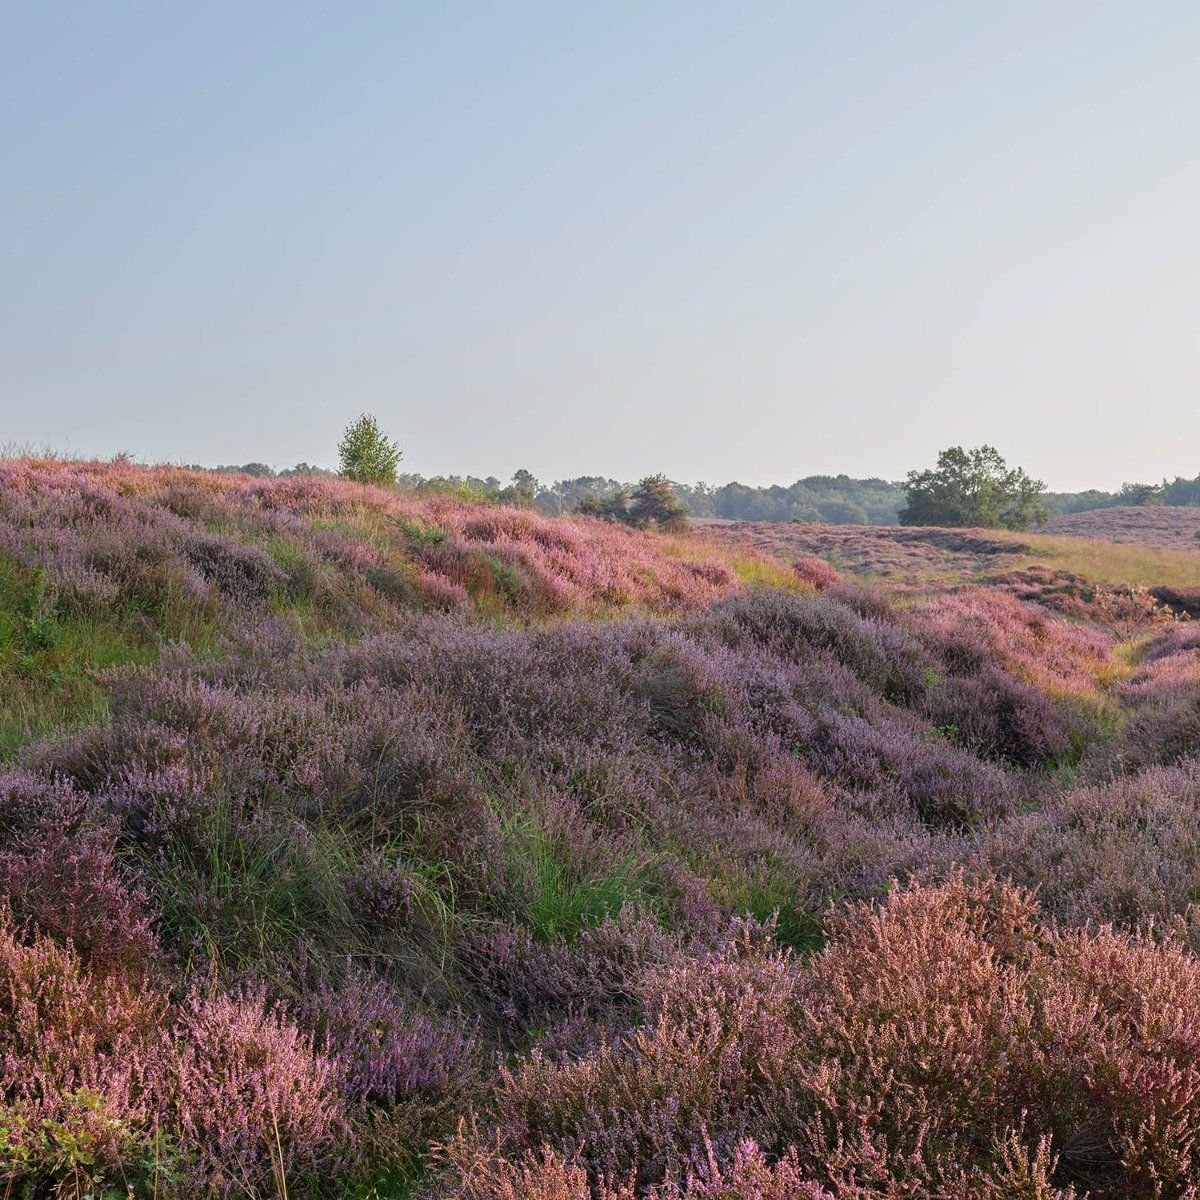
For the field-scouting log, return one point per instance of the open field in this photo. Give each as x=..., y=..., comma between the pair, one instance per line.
x=361, y=846
x=919, y=556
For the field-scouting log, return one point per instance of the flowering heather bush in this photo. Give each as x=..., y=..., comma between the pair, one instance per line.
x=251, y=1095
x=944, y=1044
x=71, y=889
x=1120, y=852
x=169, y=536
x=905, y=556
x=383, y=1049
x=547, y=1176
x=1056, y=656
x=78, y=1066
x=1163, y=699
x=1151, y=525
x=816, y=572
x=59, y=877
x=1175, y=640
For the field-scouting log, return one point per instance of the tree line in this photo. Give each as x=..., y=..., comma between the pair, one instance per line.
x=966, y=488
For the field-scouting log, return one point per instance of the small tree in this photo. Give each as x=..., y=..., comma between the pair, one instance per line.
x=973, y=488
x=654, y=503
x=366, y=455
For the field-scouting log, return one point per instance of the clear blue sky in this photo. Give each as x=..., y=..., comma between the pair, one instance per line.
x=749, y=241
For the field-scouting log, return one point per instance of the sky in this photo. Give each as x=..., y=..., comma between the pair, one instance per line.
x=723, y=241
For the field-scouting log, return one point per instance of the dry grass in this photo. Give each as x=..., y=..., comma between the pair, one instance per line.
x=920, y=557
x=1127, y=563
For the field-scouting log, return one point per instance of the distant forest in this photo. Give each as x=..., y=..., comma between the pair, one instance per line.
x=825, y=499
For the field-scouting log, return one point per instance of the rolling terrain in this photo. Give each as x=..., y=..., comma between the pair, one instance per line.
x=1172, y=526
x=360, y=845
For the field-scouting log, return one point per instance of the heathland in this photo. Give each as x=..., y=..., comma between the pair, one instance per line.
x=360, y=844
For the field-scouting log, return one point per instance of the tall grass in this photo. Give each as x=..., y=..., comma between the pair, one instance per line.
x=1125, y=563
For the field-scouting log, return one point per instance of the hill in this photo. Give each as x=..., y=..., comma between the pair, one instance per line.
x=1171, y=526
x=362, y=845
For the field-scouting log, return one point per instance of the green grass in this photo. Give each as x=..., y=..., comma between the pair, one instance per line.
x=755, y=571
x=563, y=898
x=235, y=897
x=766, y=892
x=48, y=660
x=236, y=893
x=509, y=585
x=50, y=653
x=402, y=1183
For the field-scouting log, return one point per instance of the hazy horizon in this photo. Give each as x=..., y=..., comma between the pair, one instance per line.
x=720, y=243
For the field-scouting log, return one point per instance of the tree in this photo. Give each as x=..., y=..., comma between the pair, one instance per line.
x=522, y=491
x=654, y=503
x=366, y=455
x=973, y=488
x=613, y=506
x=1141, y=494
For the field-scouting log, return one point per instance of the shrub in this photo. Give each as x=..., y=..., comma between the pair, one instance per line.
x=253, y=1101
x=1121, y=852
x=654, y=504
x=816, y=572
x=80, y=1068
x=945, y=1043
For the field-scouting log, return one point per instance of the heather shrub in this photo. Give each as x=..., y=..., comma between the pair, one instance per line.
x=245, y=575
x=80, y=1066
x=548, y=1176
x=58, y=874
x=253, y=1100
x=704, y=1063
x=715, y=879
x=71, y=889
x=946, y=1042
x=1183, y=600
x=383, y=1049
x=1120, y=852
x=1060, y=657
x=1162, y=729
x=1132, y=1024
x=816, y=572
x=32, y=805
x=996, y=716
x=579, y=989
x=883, y=656
x=1178, y=638
x=961, y=1024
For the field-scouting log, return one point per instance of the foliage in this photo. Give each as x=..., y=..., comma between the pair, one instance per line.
x=366, y=454
x=654, y=505
x=651, y=505
x=973, y=488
